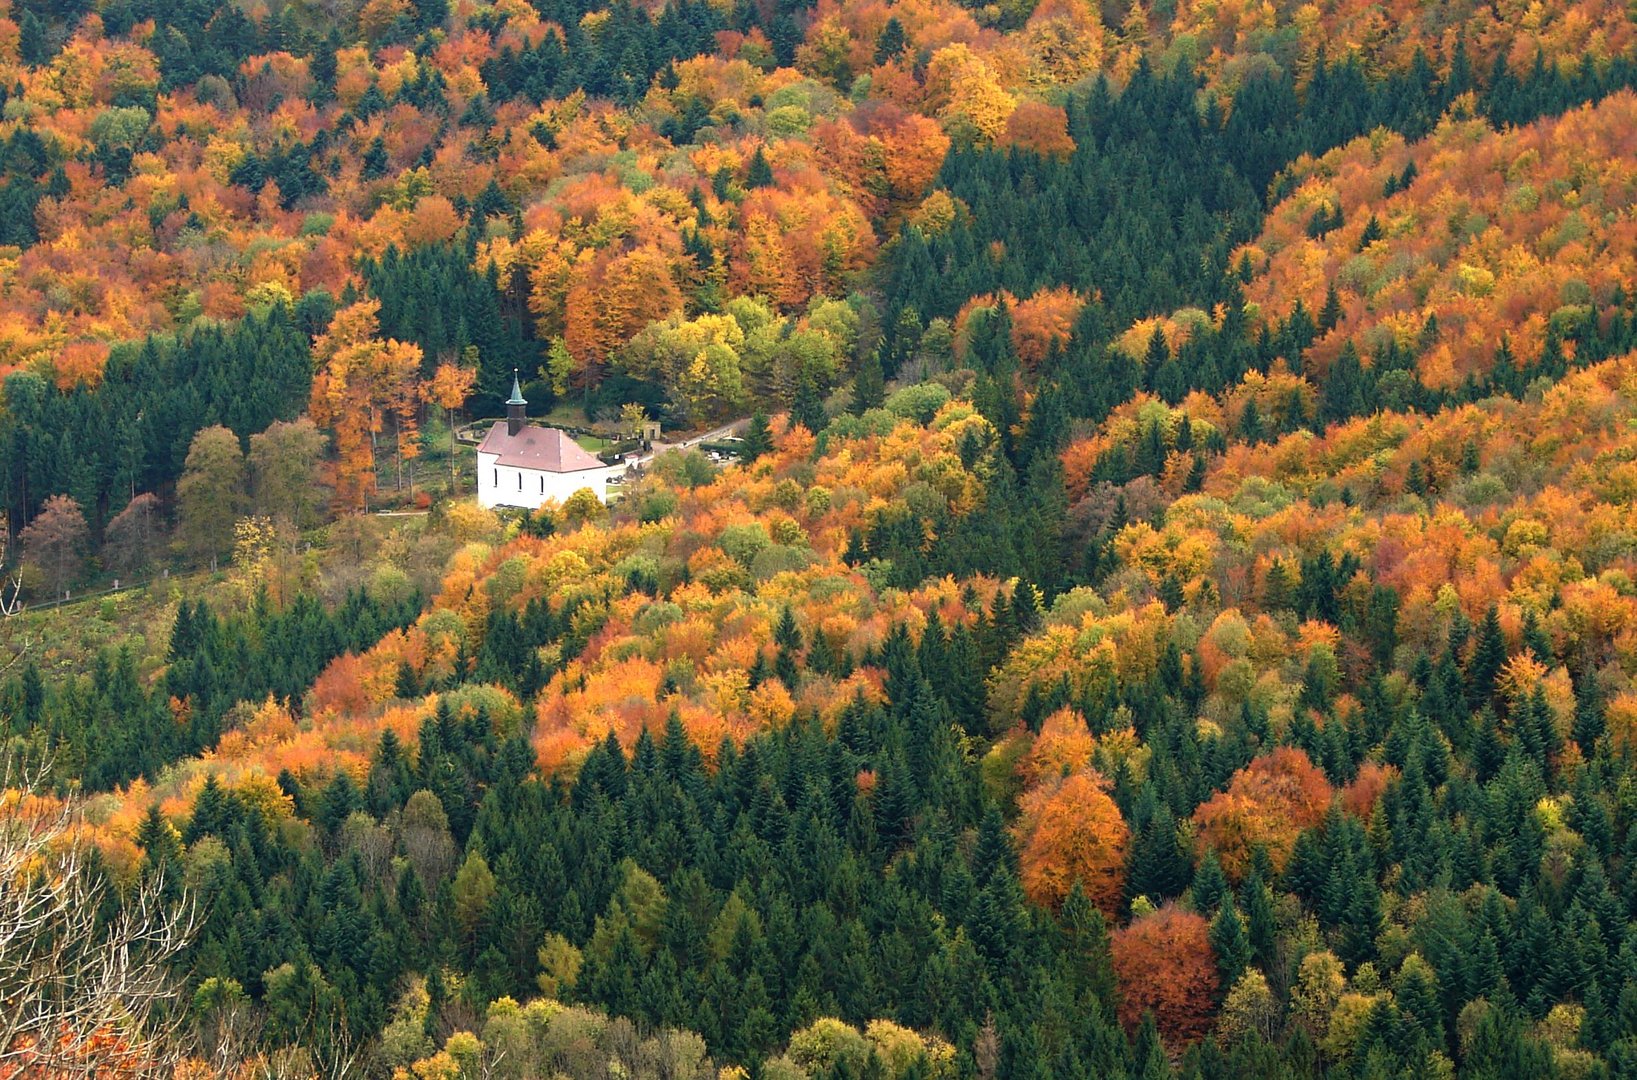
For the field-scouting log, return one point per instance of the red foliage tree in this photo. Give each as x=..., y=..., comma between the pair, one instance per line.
x=130, y=539
x=55, y=542
x=1164, y=963
x=1360, y=796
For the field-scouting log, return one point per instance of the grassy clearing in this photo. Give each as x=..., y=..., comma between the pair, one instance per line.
x=65, y=640
x=594, y=443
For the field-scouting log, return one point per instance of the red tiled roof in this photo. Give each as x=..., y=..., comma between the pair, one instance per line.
x=541, y=448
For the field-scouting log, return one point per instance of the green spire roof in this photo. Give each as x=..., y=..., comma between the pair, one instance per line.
x=517, y=391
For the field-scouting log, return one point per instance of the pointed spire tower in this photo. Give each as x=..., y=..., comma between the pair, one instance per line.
x=515, y=407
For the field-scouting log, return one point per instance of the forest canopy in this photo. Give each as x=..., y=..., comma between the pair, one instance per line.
x=1141, y=584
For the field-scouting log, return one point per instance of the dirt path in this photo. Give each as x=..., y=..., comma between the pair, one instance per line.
x=729, y=428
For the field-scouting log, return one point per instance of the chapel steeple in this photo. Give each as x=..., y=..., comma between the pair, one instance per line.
x=516, y=406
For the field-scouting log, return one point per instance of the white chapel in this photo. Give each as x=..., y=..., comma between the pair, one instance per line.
x=519, y=464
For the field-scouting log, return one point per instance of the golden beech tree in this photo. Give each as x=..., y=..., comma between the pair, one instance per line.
x=360, y=382
x=451, y=384
x=552, y=275
x=969, y=91
x=1071, y=830
x=1064, y=746
x=1164, y=963
x=1065, y=40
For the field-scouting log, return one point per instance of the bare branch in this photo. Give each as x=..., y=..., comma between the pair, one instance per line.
x=80, y=995
x=10, y=607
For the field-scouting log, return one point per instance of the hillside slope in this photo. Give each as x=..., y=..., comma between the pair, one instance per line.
x=1510, y=235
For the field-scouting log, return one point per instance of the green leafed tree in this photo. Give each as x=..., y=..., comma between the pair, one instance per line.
x=210, y=494
x=284, y=472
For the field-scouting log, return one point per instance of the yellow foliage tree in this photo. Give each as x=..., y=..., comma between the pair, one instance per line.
x=359, y=383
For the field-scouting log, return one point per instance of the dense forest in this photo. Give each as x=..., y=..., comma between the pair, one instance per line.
x=1171, y=612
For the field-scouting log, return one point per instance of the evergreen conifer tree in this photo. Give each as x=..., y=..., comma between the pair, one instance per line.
x=808, y=408
x=758, y=439
x=869, y=385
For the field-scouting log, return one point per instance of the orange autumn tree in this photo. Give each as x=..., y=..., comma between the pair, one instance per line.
x=1040, y=322
x=615, y=299
x=1037, y=126
x=360, y=382
x=1064, y=746
x=1164, y=963
x=451, y=384
x=1043, y=321
x=1268, y=803
x=1072, y=831
x=81, y=362
x=799, y=243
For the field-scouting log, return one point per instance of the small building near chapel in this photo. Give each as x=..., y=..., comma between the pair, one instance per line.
x=519, y=464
